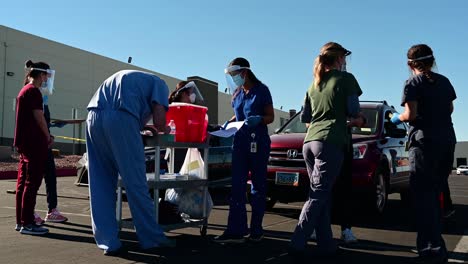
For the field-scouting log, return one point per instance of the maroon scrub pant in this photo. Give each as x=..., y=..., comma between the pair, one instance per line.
x=31, y=170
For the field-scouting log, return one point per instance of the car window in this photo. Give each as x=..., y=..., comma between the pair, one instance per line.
x=294, y=126
x=372, y=116
x=389, y=125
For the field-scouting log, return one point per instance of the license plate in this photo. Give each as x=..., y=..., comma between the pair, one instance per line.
x=287, y=178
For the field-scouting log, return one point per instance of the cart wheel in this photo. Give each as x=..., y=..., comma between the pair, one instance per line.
x=203, y=230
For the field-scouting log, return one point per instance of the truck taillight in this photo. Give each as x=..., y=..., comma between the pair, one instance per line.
x=359, y=150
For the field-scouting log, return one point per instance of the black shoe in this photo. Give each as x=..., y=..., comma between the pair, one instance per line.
x=296, y=255
x=116, y=252
x=431, y=258
x=256, y=238
x=226, y=238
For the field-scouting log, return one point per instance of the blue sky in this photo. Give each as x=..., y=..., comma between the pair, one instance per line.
x=279, y=38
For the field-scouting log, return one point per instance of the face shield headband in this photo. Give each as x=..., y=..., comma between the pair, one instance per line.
x=421, y=58
x=233, y=79
x=48, y=86
x=191, y=85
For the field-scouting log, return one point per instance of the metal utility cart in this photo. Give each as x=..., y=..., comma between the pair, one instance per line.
x=156, y=181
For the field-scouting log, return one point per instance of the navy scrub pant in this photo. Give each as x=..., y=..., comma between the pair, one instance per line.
x=243, y=162
x=428, y=168
x=115, y=147
x=50, y=179
x=323, y=161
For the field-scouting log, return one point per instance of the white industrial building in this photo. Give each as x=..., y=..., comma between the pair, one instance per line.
x=78, y=75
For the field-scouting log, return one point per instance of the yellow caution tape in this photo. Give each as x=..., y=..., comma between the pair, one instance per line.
x=70, y=138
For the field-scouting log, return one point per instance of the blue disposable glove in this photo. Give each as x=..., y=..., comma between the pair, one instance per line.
x=396, y=119
x=253, y=121
x=45, y=99
x=223, y=127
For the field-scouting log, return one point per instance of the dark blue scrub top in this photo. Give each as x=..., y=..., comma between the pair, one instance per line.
x=433, y=118
x=252, y=104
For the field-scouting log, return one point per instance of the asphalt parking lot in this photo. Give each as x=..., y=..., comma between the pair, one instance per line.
x=388, y=239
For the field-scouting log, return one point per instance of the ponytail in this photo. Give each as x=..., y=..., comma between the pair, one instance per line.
x=329, y=54
x=32, y=73
x=319, y=70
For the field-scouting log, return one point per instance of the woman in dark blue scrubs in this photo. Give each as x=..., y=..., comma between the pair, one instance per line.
x=252, y=103
x=428, y=100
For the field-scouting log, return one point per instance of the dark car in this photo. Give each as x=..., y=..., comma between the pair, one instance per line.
x=380, y=164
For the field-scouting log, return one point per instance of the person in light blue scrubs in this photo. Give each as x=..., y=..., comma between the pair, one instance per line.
x=118, y=111
x=253, y=104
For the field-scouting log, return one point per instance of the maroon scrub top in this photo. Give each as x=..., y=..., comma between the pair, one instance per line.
x=29, y=138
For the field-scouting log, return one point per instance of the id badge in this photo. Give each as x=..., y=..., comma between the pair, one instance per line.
x=253, y=147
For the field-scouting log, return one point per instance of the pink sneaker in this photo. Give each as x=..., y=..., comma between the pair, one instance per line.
x=38, y=220
x=55, y=217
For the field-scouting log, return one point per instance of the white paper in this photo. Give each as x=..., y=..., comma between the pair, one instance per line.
x=230, y=130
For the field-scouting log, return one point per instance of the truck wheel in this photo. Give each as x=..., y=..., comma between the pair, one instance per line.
x=381, y=194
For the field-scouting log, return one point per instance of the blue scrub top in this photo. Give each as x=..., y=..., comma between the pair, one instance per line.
x=252, y=104
x=133, y=92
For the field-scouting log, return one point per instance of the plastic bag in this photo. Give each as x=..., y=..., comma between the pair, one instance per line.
x=193, y=164
x=190, y=201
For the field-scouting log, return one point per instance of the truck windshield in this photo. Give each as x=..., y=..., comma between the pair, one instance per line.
x=295, y=126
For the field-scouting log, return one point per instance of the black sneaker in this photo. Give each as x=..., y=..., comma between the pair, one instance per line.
x=226, y=238
x=18, y=227
x=256, y=238
x=33, y=229
x=117, y=252
x=296, y=255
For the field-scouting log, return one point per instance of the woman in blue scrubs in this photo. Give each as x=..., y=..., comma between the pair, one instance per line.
x=252, y=103
x=118, y=111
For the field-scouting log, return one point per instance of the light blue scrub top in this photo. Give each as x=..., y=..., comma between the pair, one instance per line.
x=133, y=92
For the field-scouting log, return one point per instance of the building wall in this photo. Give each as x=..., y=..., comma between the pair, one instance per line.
x=461, y=154
x=78, y=75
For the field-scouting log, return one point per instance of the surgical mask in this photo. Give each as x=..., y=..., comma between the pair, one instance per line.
x=192, y=97
x=238, y=80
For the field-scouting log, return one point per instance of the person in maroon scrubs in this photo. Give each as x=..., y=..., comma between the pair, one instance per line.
x=32, y=140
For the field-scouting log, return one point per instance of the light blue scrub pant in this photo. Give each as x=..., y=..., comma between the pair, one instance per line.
x=114, y=147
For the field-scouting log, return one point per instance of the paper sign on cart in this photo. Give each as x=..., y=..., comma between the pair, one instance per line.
x=230, y=130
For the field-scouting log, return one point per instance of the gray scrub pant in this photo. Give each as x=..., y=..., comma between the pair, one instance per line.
x=323, y=161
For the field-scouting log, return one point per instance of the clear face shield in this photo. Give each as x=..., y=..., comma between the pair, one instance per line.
x=47, y=87
x=234, y=79
x=194, y=94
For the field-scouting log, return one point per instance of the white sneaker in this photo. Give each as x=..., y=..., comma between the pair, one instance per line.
x=348, y=237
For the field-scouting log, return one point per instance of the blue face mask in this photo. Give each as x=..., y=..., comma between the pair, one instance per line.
x=238, y=80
